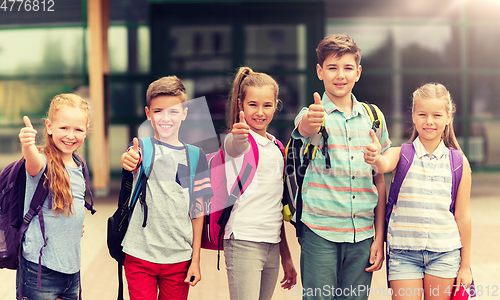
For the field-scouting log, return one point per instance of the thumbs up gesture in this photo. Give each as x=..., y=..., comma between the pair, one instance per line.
x=240, y=130
x=27, y=136
x=313, y=119
x=131, y=158
x=373, y=149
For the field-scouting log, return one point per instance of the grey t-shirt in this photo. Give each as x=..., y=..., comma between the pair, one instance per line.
x=63, y=233
x=168, y=235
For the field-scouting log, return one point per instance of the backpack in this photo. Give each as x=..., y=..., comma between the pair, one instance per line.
x=13, y=224
x=295, y=169
x=218, y=208
x=129, y=196
x=406, y=156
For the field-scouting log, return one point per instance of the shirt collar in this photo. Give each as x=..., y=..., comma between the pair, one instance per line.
x=260, y=139
x=330, y=106
x=421, y=152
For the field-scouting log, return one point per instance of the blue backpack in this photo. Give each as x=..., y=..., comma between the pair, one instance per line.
x=129, y=196
x=13, y=224
x=405, y=160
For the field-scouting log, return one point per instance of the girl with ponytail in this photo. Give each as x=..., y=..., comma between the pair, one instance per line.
x=63, y=211
x=254, y=237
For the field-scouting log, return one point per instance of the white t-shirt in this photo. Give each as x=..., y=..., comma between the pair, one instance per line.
x=257, y=214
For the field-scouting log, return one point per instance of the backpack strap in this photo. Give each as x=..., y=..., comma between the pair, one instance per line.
x=243, y=180
x=405, y=159
x=456, y=164
x=85, y=170
x=375, y=117
x=148, y=154
x=193, y=157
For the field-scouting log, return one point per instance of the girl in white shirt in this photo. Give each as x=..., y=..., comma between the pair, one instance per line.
x=254, y=236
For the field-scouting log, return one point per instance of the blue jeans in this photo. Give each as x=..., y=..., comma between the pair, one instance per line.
x=54, y=284
x=332, y=270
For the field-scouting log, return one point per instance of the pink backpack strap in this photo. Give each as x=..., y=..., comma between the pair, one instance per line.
x=248, y=169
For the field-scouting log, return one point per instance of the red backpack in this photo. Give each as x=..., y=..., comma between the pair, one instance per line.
x=218, y=208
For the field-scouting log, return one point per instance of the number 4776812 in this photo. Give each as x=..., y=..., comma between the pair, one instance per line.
x=27, y=5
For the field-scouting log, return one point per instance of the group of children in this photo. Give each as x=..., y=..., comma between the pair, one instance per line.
x=343, y=212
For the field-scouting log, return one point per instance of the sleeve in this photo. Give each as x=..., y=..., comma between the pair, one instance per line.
x=298, y=119
x=385, y=142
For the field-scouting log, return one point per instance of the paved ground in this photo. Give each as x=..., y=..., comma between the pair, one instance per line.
x=99, y=274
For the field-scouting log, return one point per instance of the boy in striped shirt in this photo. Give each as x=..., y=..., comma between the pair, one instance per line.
x=342, y=237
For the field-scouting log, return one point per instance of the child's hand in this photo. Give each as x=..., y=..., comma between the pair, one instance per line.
x=464, y=277
x=373, y=149
x=240, y=130
x=376, y=256
x=193, y=274
x=290, y=274
x=27, y=136
x=131, y=158
x=314, y=117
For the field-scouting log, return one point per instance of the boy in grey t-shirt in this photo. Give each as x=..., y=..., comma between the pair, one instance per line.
x=166, y=253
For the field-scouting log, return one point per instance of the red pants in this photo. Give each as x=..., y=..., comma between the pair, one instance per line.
x=145, y=278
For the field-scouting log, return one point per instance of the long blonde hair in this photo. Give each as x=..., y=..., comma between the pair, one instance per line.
x=57, y=176
x=437, y=91
x=244, y=79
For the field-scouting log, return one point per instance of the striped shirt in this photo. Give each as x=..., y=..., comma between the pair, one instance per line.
x=338, y=203
x=421, y=218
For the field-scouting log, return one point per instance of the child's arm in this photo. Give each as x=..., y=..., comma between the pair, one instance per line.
x=131, y=158
x=290, y=274
x=463, y=219
x=312, y=120
x=377, y=248
x=27, y=137
x=238, y=142
x=194, y=268
x=381, y=163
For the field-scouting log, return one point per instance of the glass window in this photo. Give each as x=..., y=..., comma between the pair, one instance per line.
x=118, y=49
x=482, y=10
x=484, y=42
x=200, y=48
x=428, y=46
x=276, y=47
x=144, y=52
x=41, y=51
x=484, y=94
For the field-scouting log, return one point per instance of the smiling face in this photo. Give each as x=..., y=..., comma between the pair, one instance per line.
x=166, y=114
x=68, y=129
x=430, y=117
x=259, y=107
x=339, y=74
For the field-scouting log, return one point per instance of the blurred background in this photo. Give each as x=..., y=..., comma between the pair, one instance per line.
x=404, y=43
x=108, y=51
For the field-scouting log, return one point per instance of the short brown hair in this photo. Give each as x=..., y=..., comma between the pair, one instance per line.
x=166, y=86
x=338, y=45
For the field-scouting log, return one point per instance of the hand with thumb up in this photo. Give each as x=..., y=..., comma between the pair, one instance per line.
x=240, y=130
x=27, y=136
x=131, y=158
x=313, y=120
x=373, y=149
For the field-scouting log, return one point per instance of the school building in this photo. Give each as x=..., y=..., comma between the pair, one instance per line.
x=108, y=51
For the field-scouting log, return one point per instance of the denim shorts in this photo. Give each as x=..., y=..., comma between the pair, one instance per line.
x=413, y=264
x=54, y=284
